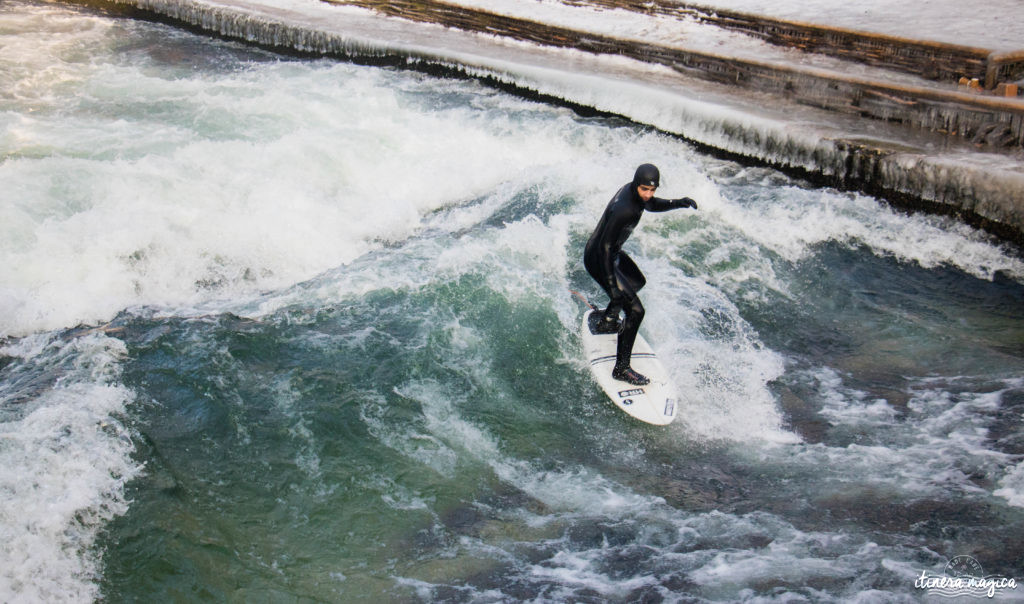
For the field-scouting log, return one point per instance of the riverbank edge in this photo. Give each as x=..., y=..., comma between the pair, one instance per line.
x=984, y=196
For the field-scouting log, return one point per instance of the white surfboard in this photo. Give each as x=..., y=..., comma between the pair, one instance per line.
x=655, y=403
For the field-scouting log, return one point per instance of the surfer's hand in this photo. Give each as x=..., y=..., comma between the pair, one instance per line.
x=686, y=202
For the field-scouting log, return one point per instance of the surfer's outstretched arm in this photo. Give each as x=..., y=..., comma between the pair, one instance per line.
x=657, y=204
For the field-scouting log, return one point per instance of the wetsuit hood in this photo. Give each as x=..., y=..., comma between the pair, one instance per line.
x=646, y=174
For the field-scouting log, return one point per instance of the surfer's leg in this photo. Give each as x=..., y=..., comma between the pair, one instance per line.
x=630, y=280
x=628, y=274
x=628, y=331
x=608, y=320
x=627, y=337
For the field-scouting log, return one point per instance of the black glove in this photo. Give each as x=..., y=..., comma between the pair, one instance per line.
x=686, y=202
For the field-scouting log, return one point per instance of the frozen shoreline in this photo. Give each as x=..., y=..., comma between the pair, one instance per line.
x=909, y=166
x=995, y=24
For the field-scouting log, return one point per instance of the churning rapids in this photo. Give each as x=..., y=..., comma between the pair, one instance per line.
x=295, y=330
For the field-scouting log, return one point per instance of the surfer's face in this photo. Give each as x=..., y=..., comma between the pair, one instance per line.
x=646, y=192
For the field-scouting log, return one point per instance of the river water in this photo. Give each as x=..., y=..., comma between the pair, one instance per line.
x=299, y=330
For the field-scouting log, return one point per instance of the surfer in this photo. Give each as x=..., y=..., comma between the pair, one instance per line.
x=616, y=272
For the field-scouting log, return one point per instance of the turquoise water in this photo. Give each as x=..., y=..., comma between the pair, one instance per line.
x=288, y=330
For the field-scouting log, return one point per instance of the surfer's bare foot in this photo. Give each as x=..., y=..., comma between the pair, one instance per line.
x=629, y=375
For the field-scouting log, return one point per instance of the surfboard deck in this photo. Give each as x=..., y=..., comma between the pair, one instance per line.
x=656, y=403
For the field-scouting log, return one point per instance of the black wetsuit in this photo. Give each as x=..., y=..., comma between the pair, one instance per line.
x=615, y=271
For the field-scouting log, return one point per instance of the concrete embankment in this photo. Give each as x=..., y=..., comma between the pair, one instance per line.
x=862, y=120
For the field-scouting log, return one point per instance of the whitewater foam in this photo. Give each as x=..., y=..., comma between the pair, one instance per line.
x=1011, y=486
x=939, y=444
x=216, y=214
x=64, y=462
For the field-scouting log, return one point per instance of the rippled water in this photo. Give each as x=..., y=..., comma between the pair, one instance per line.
x=299, y=330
